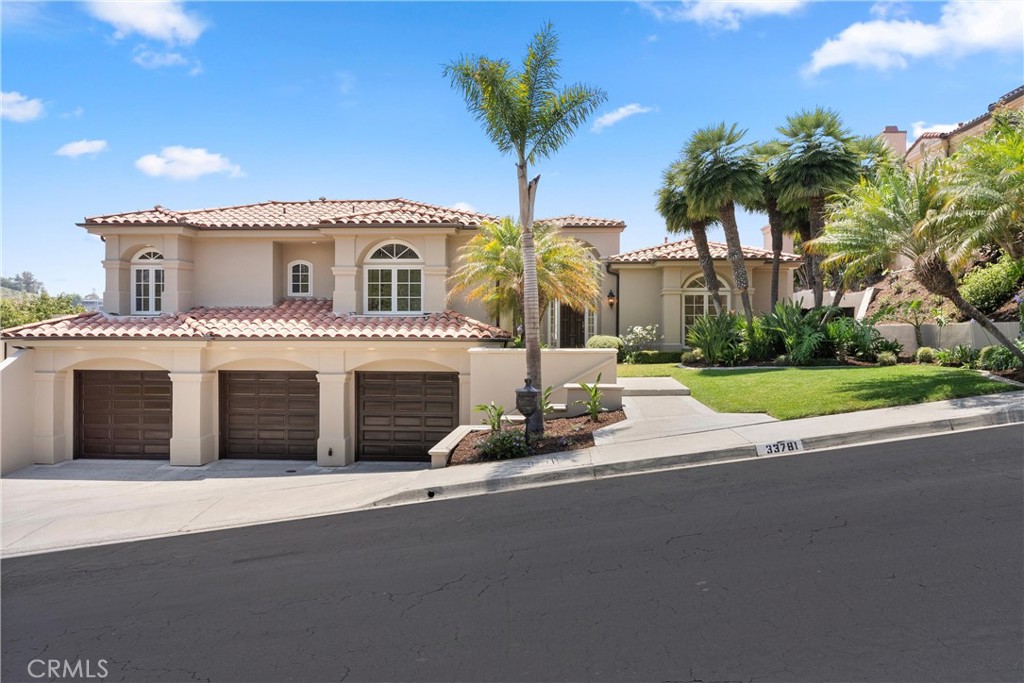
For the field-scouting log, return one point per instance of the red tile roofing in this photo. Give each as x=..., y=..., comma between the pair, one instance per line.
x=685, y=250
x=574, y=221
x=290, y=319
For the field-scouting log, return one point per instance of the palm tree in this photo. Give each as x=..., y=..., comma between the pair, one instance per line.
x=766, y=154
x=524, y=113
x=674, y=208
x=897, y=214
x=719, y=175
x=817, y=161
x=491, y=270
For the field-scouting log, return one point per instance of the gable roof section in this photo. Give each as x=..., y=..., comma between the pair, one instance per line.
x=686, y=250
x=290, y=319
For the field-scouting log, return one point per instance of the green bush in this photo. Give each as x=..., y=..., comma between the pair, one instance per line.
x=503, y=445
x=850, y=337
x=689, y=358
x=925, y=354
x=14, y=312
x=958, y=356
x=718, y=337
x=763, y=344
x=990, y=287
x=801, y=332
x=887, y=358
x=655, y=357
x=999, y=358
x=605, y=341
x=884, y=345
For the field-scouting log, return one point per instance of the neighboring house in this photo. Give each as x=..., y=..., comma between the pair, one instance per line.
x=92, y=302
x=317, y=330
x=664, y=285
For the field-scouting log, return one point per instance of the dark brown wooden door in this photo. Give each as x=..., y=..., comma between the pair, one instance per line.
x=122, y=414
x=402, y=415
x=270, y=415
x=570, y=328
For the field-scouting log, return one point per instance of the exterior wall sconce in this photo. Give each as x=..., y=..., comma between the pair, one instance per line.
x=612, y=299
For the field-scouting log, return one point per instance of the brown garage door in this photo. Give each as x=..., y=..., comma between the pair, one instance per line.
x=272, y=415
x=401, y=415
x=122, y=414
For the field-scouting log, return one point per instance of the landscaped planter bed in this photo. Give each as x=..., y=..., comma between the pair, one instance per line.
x=561, y=434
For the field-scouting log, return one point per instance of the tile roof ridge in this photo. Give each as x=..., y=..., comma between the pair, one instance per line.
x=438, y=206
x=51, y=321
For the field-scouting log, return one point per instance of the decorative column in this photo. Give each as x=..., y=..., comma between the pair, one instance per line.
x=465, y=405
x=193, y=409
x=345, y=272
x=50, y=443
x=333, y=449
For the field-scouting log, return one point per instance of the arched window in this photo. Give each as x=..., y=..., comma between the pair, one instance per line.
x=697, y=299
x=394, y=280
x=147, y=282
x=300, y=277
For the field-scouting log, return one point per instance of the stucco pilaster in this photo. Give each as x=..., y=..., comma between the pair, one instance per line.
x=465, y=406
x=345, y=293
x=115, y=294
x=49, y=434
x=193, y=407
x=434, y=288
x=333, y=448
x=671, y=310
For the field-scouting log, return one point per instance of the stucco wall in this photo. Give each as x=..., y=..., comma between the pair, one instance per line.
x=235, y=272
x=953, y=334
x=639, y=298
x=16, y=390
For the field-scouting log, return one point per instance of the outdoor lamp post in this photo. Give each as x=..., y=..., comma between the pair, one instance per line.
x=527, y=398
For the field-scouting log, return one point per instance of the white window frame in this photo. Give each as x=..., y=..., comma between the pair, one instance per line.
x=553, y=319
x=290, y=279
x=690, y=289
x=148, y=265
x=393, y=266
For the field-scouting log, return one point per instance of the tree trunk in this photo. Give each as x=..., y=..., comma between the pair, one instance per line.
x=531, y=309
x=933, y=273
x=775, y=228
x=727, y=215
x=816, y=217
x=707, y=266
x=809, y=259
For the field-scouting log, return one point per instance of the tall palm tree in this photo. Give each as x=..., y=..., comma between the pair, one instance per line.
x=674, y=208
x=897, y=214
x=817, y=161
x=525, y=114
x=780, y=222
x=490, y=269
x=719, y=175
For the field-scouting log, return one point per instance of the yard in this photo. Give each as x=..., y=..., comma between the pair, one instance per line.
x=788, y=393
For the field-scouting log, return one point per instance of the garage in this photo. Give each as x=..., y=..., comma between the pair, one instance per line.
x=401, y=415
x=269, y=415
x=122, y=414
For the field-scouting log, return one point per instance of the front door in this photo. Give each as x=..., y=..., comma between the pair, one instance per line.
x=571, y=329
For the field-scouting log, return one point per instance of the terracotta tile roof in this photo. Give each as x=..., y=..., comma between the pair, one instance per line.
x=317, y=212
x=290, y=319
x=573, y=221
x=685, y=250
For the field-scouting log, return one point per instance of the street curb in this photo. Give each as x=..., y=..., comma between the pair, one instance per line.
x=1004, y=416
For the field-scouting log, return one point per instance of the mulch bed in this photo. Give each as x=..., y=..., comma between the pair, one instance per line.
x=562, y=434
x=1015, y=375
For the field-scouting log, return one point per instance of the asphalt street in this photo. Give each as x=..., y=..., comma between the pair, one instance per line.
x=892, y=562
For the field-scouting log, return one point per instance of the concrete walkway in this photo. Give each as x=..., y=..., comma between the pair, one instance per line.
x=90, y=502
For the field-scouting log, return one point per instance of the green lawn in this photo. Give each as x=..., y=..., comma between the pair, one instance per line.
x=788, y=393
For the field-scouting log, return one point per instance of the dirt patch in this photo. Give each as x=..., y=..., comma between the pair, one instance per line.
x=900, y=287
x=1015, y=375
x=562, y=434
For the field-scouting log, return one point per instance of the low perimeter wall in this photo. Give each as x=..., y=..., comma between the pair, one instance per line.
x=17, y=377
x=497, y=373
x=953, y=334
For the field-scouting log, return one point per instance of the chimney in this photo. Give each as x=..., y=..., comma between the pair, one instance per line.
x=766, y=236
x=896, y=139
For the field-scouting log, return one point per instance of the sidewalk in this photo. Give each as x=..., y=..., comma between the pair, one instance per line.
x=84, y=503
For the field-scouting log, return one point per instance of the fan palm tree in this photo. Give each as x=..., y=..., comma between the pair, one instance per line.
x=525, y=114
x=719, y=175
x=674, y=208
x=491, y=269
x=897, y=214
x=766, y=154
x=817, y=161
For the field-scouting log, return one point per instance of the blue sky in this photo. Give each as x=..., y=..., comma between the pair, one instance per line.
x=111, y=107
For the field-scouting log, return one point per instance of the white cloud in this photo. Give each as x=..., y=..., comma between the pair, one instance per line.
x=722, y=14
x=890, y=9
x=653, y=38
x=463, y=206
x=80, y=147
x=964, y=27
x=164, y=21
x=611, y=118
x=75, y=113
x=186, y=163
x=152, y=59
x=16, y=107
x=919, y=128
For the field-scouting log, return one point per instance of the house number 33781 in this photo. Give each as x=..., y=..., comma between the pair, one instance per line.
x=788, y=446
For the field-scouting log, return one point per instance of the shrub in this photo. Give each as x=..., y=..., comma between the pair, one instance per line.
x=763, y=344
x=654, y=357
x=884, y=345
x=605, y=341
x=887, y=358
x=989, y=287
x=958, y=356
x=593, y=400
x=638, y=339
x=545, y=402
x=998, y=358
x=718, y=337
x=850, y=337
x=503, y=445
x=801, y=332
x=14, y=312
x=494, y=415
x=925, y=354
x=782, y=360
x=689, y=358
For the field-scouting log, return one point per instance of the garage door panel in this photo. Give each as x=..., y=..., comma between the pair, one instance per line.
x=393, y=409
x=269, y=414
x=124, y=414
